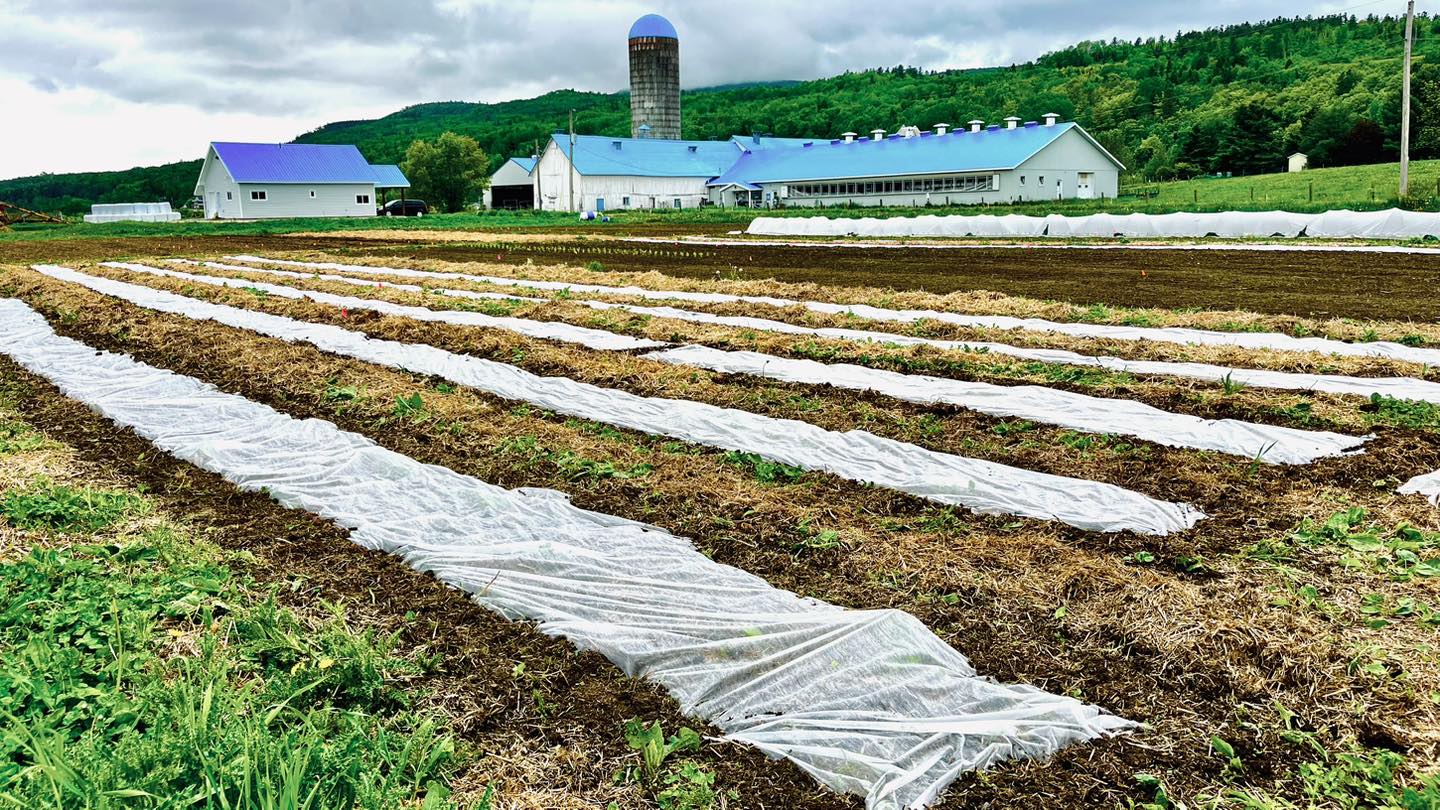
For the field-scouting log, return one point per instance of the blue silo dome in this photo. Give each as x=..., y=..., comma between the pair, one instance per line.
x=653, y=25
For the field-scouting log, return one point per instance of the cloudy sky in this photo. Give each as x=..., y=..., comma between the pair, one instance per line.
x=110, y=84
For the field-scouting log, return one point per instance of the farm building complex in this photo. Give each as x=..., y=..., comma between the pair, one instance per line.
x=1012, y=162
x=982, y=164
x=269, y=180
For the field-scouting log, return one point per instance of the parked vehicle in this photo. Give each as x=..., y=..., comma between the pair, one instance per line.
x=405, y=208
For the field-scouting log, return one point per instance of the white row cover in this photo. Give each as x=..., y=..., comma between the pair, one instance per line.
x=1389, y=224
x=869, y=702
x=858, y=455
x=1276, y=445
x=1397, y=387
x=589, y=338
x=1180, y=335
x=1259, y=247
x=1427, y=485
x=132, y=212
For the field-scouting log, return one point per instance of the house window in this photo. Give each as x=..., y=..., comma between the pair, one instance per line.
x=258, y=196
x=229, y=195
x=1042, y=180
x=362, y=199
x=312, y=193
x=625, y=201
x=1022, y=179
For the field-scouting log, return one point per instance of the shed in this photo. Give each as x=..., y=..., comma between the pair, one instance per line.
x=1298, y=162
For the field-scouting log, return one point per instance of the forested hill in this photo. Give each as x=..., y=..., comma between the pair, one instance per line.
x=1236, y=99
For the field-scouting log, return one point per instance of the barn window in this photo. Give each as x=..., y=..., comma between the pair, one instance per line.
x=625, y=201
x=1042, y=180
x=1022, y=179
x=259, y=196
x=312, y=193
x=362, y=199
x=229, y=195
x=677, y=202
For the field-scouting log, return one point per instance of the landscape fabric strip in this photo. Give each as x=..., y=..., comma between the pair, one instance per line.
x=589, y=338
x=1170, y=334
x=858, y=455
x=1427, y=485
x=1077, y=411
x=1268, y=443
x=1396, y=387
x=869, y=702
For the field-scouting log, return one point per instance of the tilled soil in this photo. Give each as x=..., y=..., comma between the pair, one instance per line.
x=1192, y=653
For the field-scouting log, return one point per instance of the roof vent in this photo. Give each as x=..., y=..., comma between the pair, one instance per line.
x=616, y=144
x=849, y=137
x=877, y=134
x=993, y=128
x=807, y=144
x=941, y=129
x=1031, y=124
x=693, y=148
x=977, y=125
x=1050, y=119
x=909, y=131
x=1011, y=121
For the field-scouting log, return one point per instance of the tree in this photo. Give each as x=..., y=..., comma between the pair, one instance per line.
x=448, y=171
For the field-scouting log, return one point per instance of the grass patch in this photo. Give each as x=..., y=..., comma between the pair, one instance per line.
x=18, y=437
x=149, y=675
x=74, y=510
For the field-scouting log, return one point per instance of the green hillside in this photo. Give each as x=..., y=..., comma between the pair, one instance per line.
x=1233, y=99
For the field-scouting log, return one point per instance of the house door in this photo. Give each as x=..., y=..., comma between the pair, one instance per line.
x=212, y=205
x=1085, y=185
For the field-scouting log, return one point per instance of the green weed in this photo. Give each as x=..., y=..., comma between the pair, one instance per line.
x=765, y=471
x=68, y=509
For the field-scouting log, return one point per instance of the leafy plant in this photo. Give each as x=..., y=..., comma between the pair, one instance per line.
x=67, y=509
x=654, y=748
x=411, y=407
x=764, y=470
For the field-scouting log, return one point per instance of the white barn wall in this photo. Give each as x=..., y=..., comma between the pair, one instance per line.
x=220, y=193
x=294, y=200
x=553, y=177
x=1063, y=158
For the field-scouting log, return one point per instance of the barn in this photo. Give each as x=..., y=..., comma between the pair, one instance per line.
x=608, y=174
x=271, y=180
x=982, y=164
x=512, y=186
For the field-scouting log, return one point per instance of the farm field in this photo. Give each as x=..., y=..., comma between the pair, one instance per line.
x=1209, y=552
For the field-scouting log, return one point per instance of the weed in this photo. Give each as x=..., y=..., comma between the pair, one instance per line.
x=18, y=437
x=1230, y=385
x=1394, y=553
x=764, y=470
x=817, y=539
x=1012, y=427
x=411, y=407
x=596, y=267
x=1403, y=412
x=68, y=509
x=654, y=749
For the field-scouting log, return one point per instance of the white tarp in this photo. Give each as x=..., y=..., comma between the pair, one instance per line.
x=1180, y=335
x=1390, y=224
x=590, y=338
x=858, y=455
x=868, y=702
x=1276, y=445
x=1427, y=485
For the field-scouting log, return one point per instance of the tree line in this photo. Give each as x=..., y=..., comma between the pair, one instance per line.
x=1234, y=99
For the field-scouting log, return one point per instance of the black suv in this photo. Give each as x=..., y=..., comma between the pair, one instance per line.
x=404, y=208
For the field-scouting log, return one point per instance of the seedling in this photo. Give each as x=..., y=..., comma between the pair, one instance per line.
x=649, y=740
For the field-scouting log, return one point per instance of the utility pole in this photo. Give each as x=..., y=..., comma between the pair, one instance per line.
x=572, y=150
x=1405, y=102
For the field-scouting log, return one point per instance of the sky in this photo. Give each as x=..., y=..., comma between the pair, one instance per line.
x=90, y=85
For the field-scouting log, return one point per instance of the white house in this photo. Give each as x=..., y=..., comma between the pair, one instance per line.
x=271, y=180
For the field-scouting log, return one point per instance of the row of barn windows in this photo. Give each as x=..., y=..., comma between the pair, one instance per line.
x=968, y=183
x=261, y=195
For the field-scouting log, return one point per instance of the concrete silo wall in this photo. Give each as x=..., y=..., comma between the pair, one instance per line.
x=655, y=86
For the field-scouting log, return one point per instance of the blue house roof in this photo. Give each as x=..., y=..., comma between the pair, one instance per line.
x=648, y=157
x=294, y=163
x=389, y=176
x=987, y=150
x=653, y=25
x=526, y=163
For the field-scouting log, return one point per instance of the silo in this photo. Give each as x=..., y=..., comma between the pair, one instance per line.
x=654, y=78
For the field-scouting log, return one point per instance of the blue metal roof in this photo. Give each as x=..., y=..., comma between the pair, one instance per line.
x=389, y=176
x=648, y=157
x=989, y=149
x=526, y=163
x=653, y=25
x=756, y=143
x=294, y=163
